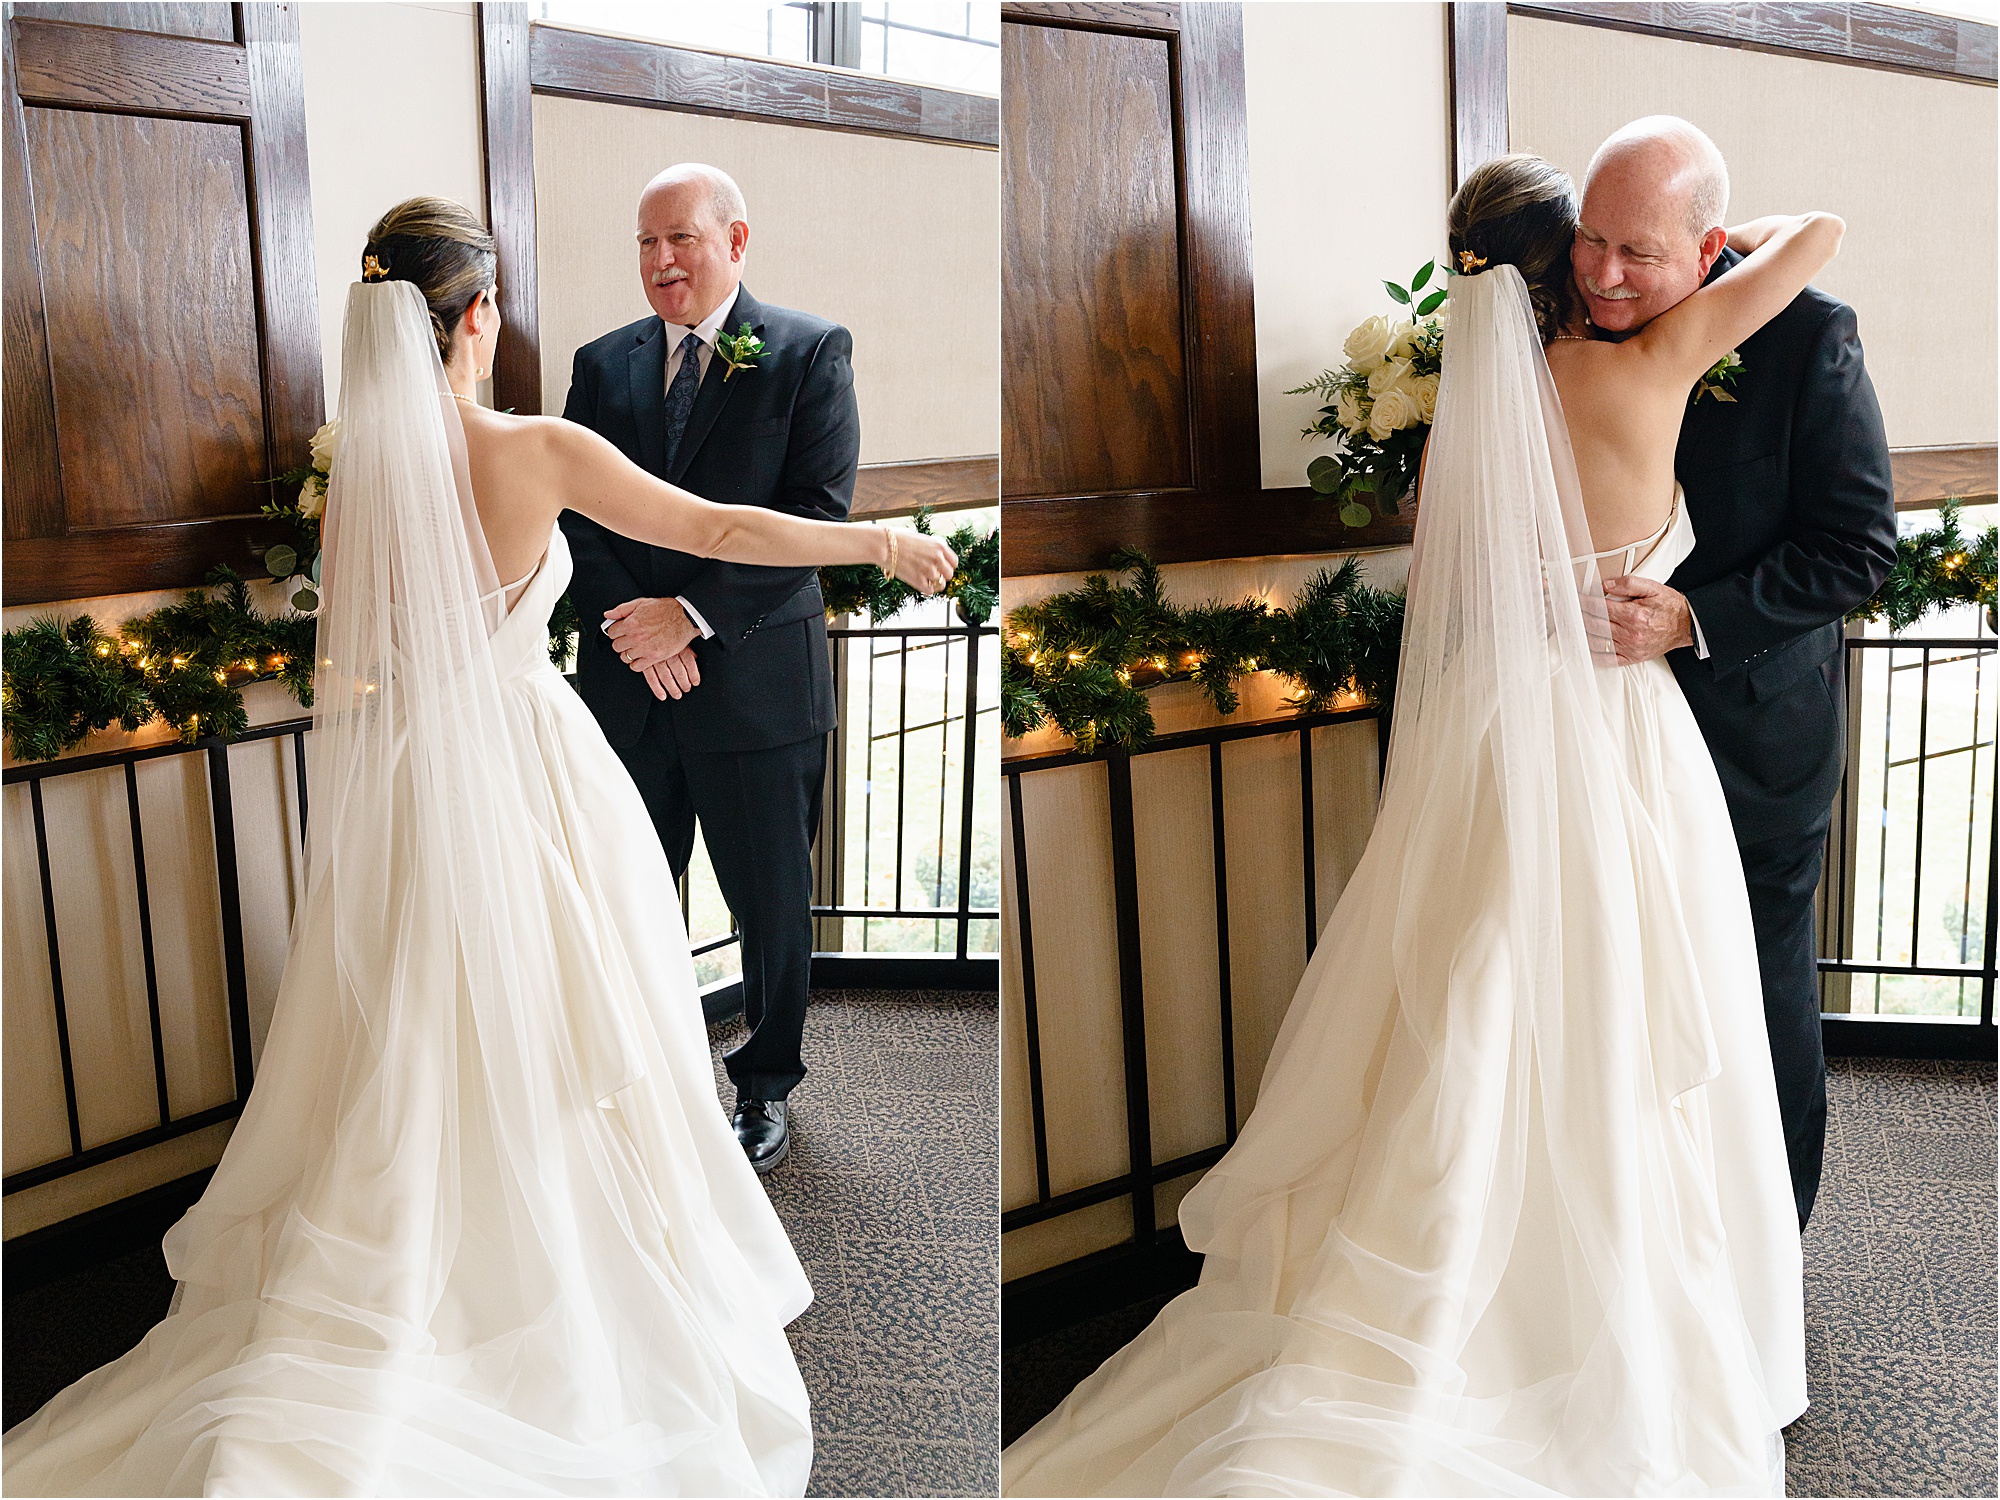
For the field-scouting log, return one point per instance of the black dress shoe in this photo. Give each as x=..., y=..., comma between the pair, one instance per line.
x=762, y=1130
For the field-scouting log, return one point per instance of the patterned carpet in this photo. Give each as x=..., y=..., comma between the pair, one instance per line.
x=889, y=1195
x=1900, y=1294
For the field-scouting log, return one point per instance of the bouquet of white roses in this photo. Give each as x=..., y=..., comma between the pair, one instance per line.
x=1380, y=405
x=299, y=558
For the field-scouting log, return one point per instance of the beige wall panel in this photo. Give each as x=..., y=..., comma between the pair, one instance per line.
x=896, y=239
x=36, y=1120
x=1056, y=1242
x=1319, y=260
x=1260, y=794
x=1067, y=825
x=1172, y=830
x=1346, y=784
x=103, y=968
x=187, y=932
x=51, y=1202
x=1908, y=162
x=271, y=866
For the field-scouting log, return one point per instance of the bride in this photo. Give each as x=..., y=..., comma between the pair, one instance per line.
x=482, y=1228
x=1512, y=1214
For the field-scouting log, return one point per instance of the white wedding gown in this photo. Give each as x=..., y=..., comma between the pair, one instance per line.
x=1511, y=1215
x=382, y=1293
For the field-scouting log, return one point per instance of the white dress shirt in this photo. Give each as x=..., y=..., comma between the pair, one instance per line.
x=705, y=330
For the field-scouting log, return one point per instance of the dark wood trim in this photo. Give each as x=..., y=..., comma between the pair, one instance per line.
x=1075, y=533
x=1476, y=66
x=1218, y=283
x=1924, y=476
x=1045, y=1302
x=133, y=559
x=507, y=131
x=658, y=75
x=940, y=483
x=33, y=472
x=1873, y=1036
x=1226, y=504
x=132, y=72
x=1133, y=17
x=1863, y=35
x=281, y=225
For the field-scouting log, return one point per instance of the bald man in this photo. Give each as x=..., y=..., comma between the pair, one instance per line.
x=711, y=679
x=1788, y=490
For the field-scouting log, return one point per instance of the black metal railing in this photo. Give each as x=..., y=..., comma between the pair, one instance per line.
x=229, y=905
x=974, y=698
x=1144, y=1175
x=1970, y=1031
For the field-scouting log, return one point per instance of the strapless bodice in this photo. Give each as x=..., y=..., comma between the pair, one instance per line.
x=522, y=642
x=1653, y=557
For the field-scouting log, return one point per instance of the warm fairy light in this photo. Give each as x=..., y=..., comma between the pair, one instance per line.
x=103, y=648
x=180, y=661
x=220, y=678
x=369, y=689
x=1160, y=663
x=1251, y=664
x=1076, y=656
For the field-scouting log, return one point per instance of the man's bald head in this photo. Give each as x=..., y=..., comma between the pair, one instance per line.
x=693, y=232
x=1672, y=158
x=725, y=198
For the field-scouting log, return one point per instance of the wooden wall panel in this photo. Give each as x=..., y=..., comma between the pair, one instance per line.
x=153, y=347
x=193, y=18
x=1094, y=376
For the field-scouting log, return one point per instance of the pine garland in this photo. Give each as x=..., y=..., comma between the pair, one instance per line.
x=1935, y=569
x=185, y=663
x=1082, y=660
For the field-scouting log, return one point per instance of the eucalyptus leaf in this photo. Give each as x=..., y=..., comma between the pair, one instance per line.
x=305, y=601
x=283, y=561
x=314, y=575
x=1431, y=303
x=1354, y=513
x=1398, y=293
x=1323, y=474
x=1417, y=281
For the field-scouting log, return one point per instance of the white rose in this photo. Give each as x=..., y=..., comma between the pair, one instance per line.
x=1367, y=344
x=1391, y=375
x=1347, y=411
x=1393, y=409
x=1425, y=389
x=1403, y=341
x=324, y=444
x=312, y=497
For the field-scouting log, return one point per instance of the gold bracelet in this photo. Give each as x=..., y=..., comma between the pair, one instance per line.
x=894, y=542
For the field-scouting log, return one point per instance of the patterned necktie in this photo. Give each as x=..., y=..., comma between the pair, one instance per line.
x=680, y=395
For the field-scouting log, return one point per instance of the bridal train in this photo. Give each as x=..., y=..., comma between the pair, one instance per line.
x=1512, y=1214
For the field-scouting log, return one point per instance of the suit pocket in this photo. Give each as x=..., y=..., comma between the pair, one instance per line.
x=1781, y=669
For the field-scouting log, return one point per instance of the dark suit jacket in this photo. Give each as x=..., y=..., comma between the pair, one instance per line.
x=785, y=434
x=1789, y=492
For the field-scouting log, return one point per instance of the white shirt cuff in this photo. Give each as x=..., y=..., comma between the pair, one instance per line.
x=1700, y=645
x=709, y=635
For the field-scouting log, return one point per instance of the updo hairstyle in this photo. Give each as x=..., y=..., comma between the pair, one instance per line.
x=1519, y=211
x=442, y=247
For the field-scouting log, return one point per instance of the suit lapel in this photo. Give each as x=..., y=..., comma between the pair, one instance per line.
x=715, y=385
x=646, y=368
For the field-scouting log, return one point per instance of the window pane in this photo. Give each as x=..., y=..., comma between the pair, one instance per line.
x=759, y=30
x=954, y=45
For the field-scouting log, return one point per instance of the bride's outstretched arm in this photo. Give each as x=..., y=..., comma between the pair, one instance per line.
x=1787, y=252
x=601, y=483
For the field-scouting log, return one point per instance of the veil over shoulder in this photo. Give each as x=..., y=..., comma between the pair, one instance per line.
x=482, y=1228
x=1498, y=1223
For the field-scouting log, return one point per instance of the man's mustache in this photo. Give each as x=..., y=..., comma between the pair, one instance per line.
x=666, y=278
x=1616, y=294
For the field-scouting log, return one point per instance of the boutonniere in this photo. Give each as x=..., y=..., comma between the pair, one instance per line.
x=739, y=350
x=1720, y=378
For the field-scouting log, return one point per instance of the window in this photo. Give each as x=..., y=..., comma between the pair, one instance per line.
x=953, y=44
x=784, y=30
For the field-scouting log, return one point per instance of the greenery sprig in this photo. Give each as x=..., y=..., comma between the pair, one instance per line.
x=1936, y=568
x=185, y=663
x=1082, y=660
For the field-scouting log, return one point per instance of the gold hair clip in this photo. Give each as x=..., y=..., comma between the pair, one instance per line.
x=373, y=269
x=1468, y=262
